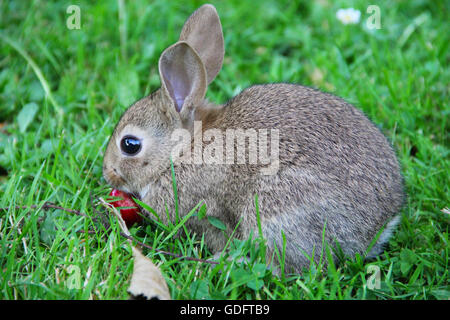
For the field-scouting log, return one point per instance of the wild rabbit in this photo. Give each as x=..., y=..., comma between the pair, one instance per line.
x=331, y=171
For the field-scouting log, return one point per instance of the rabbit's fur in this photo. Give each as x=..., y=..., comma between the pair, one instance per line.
x=337, y=175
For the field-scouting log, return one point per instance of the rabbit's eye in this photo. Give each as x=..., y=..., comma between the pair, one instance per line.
x=130, y=145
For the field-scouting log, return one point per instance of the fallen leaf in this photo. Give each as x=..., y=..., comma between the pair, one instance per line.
x=147, y=282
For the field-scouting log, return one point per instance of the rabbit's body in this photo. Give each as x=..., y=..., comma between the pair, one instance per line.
x=336, y=174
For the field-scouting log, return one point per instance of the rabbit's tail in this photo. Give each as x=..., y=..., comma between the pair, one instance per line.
x=382, y=241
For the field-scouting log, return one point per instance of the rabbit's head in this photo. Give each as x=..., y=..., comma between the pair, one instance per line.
x=141, y=144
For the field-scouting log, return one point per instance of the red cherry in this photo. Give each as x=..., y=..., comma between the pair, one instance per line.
x=129, y=215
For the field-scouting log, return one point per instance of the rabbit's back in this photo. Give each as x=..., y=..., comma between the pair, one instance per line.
x=335, y=168
x=315, y=128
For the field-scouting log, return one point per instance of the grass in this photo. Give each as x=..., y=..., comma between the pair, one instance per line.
x=62, y=91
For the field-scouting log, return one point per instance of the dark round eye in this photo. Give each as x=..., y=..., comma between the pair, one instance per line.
x=130, y=145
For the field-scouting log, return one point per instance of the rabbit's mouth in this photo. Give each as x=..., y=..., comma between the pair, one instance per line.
x=114, y=178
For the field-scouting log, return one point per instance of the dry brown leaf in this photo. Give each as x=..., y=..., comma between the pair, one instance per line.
x=147, y=281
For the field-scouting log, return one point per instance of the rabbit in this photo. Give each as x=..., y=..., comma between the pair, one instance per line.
x=335, y=178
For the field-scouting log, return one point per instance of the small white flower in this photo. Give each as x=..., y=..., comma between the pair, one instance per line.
x=348, y=16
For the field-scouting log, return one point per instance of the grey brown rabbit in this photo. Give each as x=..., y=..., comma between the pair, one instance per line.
x=331, y=171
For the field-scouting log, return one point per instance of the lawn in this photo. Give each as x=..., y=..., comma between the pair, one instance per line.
x=62, y=91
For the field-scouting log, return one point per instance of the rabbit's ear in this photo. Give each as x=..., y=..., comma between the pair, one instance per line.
x=203, y=32
x=183, y=77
